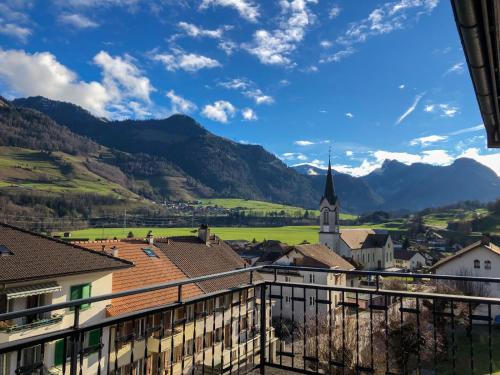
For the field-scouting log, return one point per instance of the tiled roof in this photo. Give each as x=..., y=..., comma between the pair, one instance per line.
x=34, y=256
x=404, y=254
x=147, y=271
x=319, y=256
x=478, y=244
x=196, y=258
x=363, y=238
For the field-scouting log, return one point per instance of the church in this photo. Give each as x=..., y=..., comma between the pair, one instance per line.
x=368, y=249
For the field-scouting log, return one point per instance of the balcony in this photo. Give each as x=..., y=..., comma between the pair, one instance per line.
x=394, y=324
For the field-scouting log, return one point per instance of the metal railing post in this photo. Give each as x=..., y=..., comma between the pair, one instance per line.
x=263, y=321
x=74, y=342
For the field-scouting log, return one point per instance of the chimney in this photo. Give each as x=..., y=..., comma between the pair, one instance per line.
x=486, y=239
x=114, y=251
x=150, y=237
x=204, y=233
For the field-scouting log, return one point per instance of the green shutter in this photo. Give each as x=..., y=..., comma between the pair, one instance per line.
x=94, y=337
x=79, y=292
x=86, y=294
x=59, y=353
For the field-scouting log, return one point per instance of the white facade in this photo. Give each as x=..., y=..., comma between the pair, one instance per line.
x=479, y=261
x=416, y=262
x=293, y=302
x=100, y=283
x=329, y=234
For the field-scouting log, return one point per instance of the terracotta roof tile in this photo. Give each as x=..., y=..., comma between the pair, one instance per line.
x=147, y=271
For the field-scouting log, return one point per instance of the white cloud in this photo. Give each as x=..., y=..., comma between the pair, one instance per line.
x=426, y=141
x=180, y=60
x=294, y=156
x=198, y=32
x=247, y=9
x=11, y=29
x=249, y=114
x=385, y=19
x=444, y=110
x=492, y=161
x=349, y=115
x=220, y=111
x=338, y=56
x=457, y=68
x=325, y=44
x=468, y=130
x=123, y=90
x=311, y=69
x=349, y=153
x=14, y=20
x=249, y=89
x=180, y=104
x=334, y=11
x=227, y=46
x=122, y=77
x=275, y=47
x=410, y=109
x=259, y=97
x=77, y=20
x=401, y=87
x=304, y=143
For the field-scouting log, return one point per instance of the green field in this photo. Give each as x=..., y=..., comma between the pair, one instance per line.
x=263, y=208
x=289, y=234
x=441, y=219
x=56, y=172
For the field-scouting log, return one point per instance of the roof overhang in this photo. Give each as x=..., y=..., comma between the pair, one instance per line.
x=478, y=23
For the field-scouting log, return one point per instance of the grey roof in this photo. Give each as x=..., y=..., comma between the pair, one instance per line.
x=404, y=254
x=195, y=258
x=34, y=256
x=329, y=194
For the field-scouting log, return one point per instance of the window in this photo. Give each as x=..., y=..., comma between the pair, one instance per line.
x=91, y=343
x=326, y=219
x=288, y=299
x=80, y=292
x=487, y=265
x=4, y=251
x=150, y=252
x=311, y=278
x=477, y=264
x=287, y=279
x=312, y=301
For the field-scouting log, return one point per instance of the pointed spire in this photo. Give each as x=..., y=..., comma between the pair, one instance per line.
x=329, y=188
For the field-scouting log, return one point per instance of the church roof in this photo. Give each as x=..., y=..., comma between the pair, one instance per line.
x=363, y=238
x=329, y=194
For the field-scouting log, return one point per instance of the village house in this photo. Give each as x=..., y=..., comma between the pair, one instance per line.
x=481, y=258
x=409, y=260
x=35, y=271
x=314, y=301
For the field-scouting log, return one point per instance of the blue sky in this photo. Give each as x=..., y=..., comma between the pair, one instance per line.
x=372, y=80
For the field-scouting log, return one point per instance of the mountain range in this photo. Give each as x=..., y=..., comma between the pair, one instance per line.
x=178, y=159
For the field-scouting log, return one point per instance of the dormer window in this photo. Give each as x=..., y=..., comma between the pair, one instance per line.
x=4, y=251
x=477, y=263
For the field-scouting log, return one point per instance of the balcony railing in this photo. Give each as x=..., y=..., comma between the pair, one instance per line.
x=395, y=323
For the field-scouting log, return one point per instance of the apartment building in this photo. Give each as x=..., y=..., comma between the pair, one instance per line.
x=36, y=271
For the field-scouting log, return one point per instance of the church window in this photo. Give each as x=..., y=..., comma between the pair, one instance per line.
x=311, y=278
x=487, y=265
x=477, y=263
x=326, y=219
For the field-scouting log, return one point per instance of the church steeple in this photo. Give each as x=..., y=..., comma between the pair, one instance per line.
x=329, y=194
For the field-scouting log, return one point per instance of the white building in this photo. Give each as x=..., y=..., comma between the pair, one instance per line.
x=369, y=248
x=409, y=260
x=37, y=271
x=482, y=258
x=313, y=302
